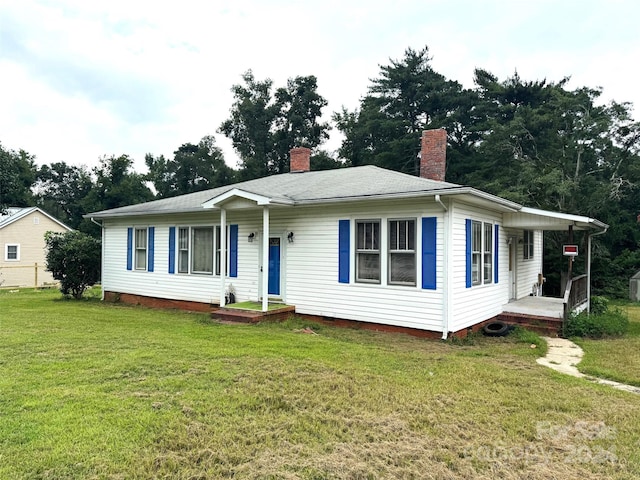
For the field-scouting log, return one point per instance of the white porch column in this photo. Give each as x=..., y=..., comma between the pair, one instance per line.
x=223, y=256
x=265, y=258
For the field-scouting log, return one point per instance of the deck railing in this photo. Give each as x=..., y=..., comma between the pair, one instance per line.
x=575, y=295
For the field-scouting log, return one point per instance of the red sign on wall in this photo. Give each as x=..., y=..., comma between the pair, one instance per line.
x=570, y=250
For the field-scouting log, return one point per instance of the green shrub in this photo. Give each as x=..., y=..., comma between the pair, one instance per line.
x=613, y=322
x=73, y=258
x=599, y=305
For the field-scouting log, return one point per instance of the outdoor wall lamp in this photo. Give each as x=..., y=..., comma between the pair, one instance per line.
x=290, y=237
x=251, y=236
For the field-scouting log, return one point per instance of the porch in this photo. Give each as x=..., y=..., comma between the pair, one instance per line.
x=544, y=315
x=548, y=314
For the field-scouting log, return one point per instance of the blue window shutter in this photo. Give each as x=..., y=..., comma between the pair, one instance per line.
x=468, y=252
x=429, y=230
x=172, y=249
x=344, y=243
x=151, y=248
x=233, y=250
x=129, y=248
x=495, y=254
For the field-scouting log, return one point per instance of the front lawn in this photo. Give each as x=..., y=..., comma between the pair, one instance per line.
x=92, y=390
x=615, y=358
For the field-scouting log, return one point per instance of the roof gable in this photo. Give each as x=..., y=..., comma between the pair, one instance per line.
x=16, y=213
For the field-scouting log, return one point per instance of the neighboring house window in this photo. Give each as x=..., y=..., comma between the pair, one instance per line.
x=12, y=252
x=481, y=253
x=402, y=252
x=183, y=250
x=140, y=248
x=202, y=250
x=528, y=244
x=368, y=251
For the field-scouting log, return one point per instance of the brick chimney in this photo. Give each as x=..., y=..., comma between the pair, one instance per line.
x=433, y=154
x=300, y=159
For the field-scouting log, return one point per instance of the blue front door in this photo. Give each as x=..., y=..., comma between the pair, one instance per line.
x=274, y=266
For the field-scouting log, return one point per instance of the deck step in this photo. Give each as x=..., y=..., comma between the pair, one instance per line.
x=237, y=315
x=538, y=324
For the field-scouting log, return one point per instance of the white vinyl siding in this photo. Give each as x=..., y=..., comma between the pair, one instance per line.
x=485, y=300
x=309, y=266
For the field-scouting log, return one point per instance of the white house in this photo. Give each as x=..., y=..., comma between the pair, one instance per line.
x=22, y=260
x=363, y=244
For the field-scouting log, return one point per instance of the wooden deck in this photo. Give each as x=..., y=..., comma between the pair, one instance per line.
x=237, y=315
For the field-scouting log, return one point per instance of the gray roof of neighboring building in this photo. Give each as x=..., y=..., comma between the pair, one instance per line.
x=299, y=188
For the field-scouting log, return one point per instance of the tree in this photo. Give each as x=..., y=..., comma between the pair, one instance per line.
x=116, y=185
x=406, y=98
x=61, y=190
x=193, y=168
x=264, y=126
x=73, y=258
x=17, y=175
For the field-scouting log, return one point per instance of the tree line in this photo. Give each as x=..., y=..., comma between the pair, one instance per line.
x=539, y=143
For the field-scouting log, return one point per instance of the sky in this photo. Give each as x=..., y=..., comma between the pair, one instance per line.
x=81, y=79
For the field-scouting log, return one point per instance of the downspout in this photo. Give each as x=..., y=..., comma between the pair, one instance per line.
x=589, y=266
x=101, y=256
x=445, y=269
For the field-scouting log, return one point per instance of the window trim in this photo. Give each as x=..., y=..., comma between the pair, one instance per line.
x=6, y=252
x=528, y=244
x=192, y=270
x=480, y=275
x=137, y=249
x=215, y=243
x=368, y=251
x=404, y=251
x=179, y=250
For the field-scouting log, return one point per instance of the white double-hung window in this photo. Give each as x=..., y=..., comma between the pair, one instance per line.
x=140, y=248
x=402, y=252
x=368, y=251
x=481, y=253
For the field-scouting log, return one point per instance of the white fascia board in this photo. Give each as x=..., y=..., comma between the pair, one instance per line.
x=578, y=220
x=236, y=192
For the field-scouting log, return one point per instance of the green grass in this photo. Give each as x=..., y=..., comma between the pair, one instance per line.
x=615, y=358
x=100, y=391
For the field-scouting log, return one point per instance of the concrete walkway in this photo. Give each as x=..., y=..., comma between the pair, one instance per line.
x=563, y=355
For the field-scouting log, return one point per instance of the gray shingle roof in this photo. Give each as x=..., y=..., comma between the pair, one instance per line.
x=298, y=188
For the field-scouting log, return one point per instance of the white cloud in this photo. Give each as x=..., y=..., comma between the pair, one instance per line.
x=85, y=79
